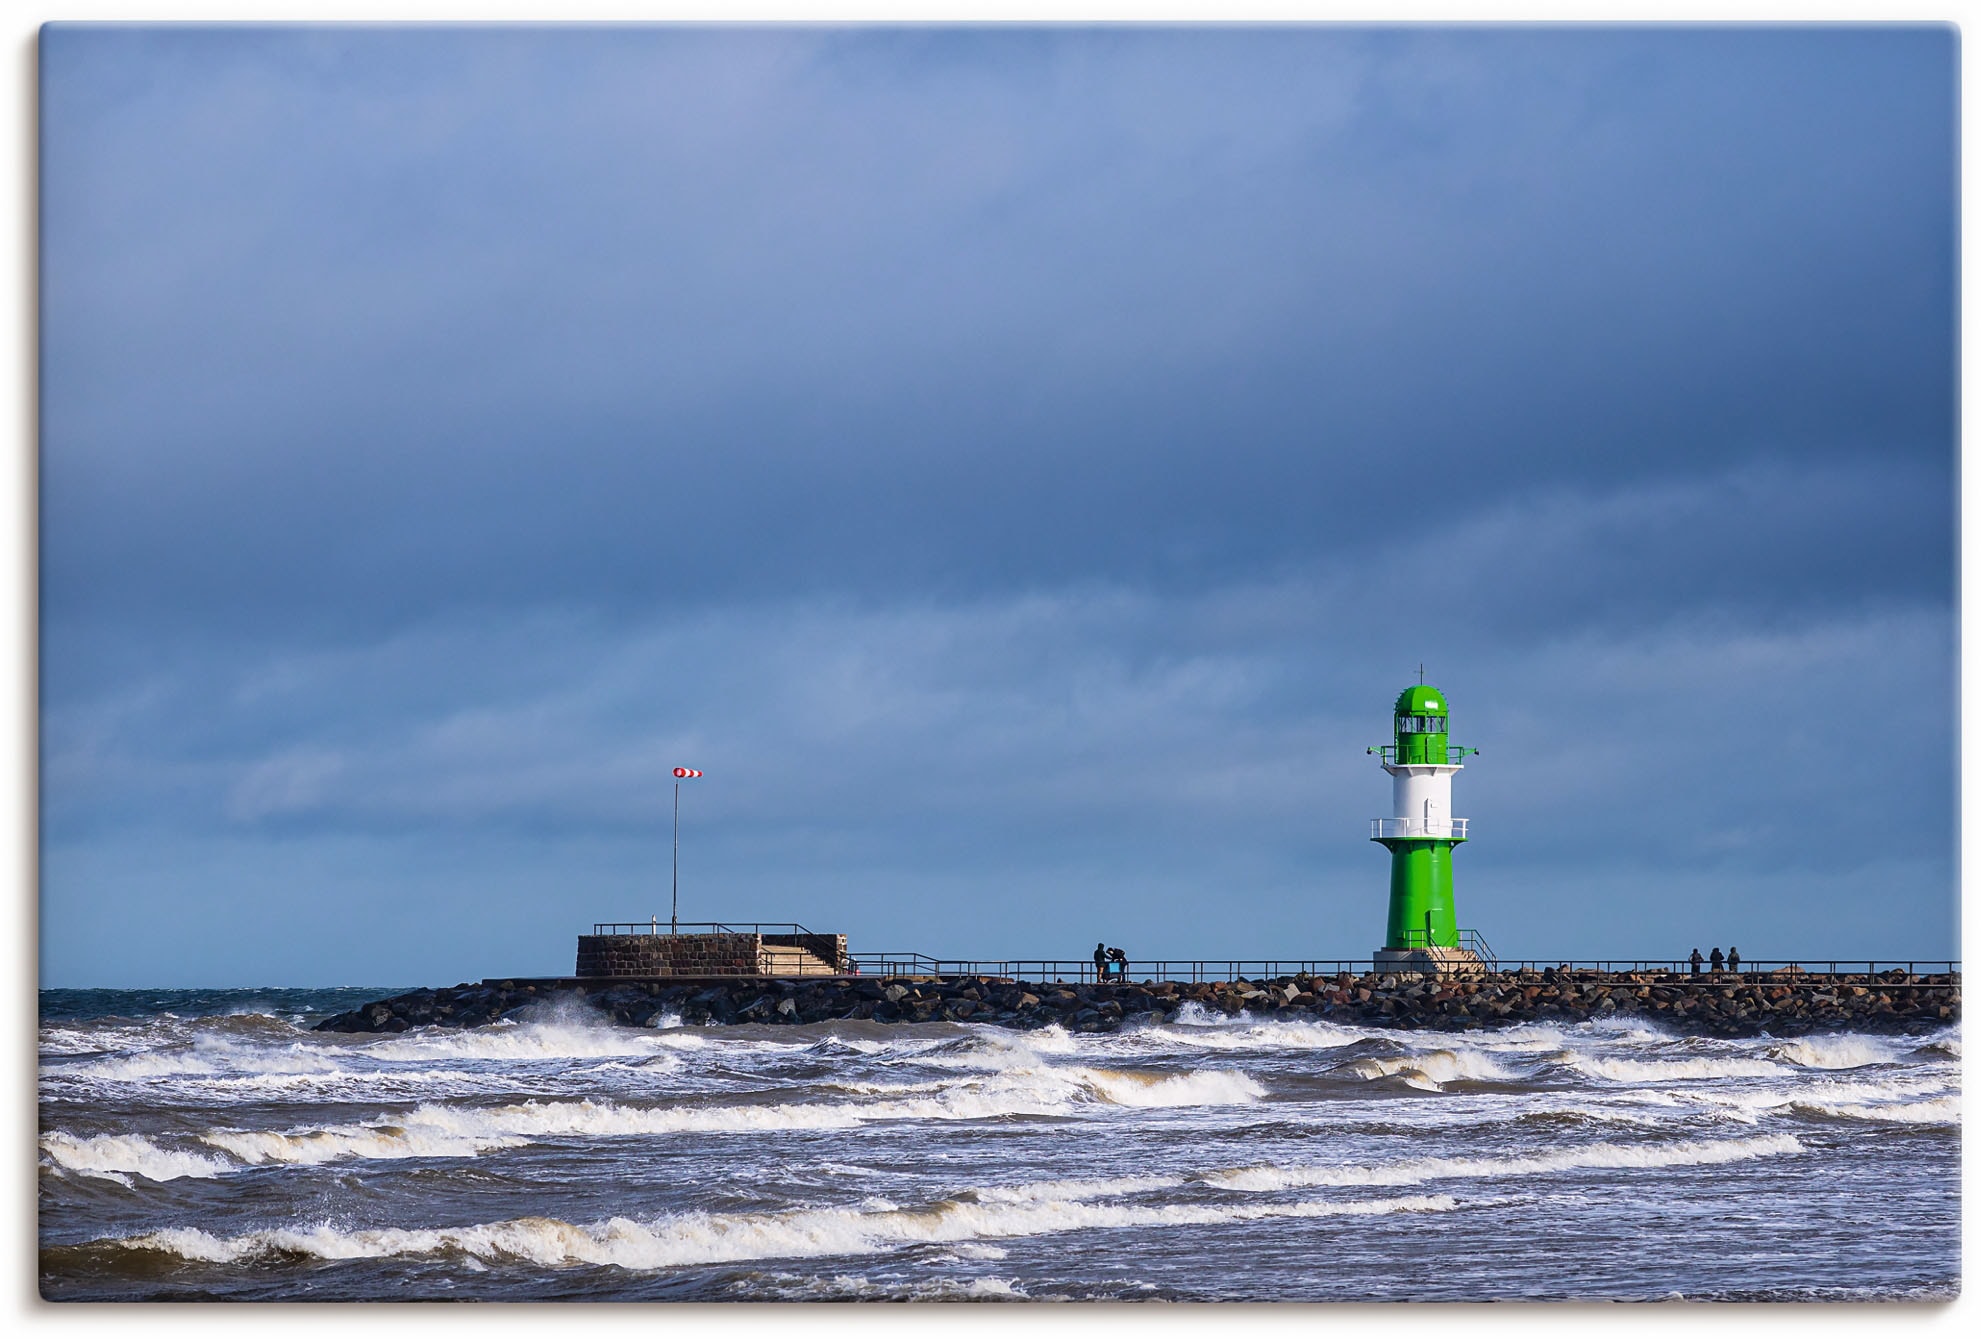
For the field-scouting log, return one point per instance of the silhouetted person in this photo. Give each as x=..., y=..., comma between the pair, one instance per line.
x=1119, y=961
x=1697, y=961
x=1719, y=960
x=1733, y=959
x=1100, y=962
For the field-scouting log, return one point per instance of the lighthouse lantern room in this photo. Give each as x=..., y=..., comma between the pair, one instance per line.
x=1423, y=931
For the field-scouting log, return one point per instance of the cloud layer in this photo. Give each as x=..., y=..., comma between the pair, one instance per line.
x=1019, y=466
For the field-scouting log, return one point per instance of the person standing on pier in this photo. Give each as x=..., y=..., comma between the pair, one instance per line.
x=1100, y=962
x=1719, y=960
x=1733, y=960
x=1696, y=961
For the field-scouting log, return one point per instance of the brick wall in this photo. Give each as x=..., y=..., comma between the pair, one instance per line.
x=695, y=954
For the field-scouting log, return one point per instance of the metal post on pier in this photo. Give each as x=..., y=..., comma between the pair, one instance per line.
x=674, y=910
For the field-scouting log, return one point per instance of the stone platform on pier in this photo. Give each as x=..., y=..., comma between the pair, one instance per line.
x=636, y=951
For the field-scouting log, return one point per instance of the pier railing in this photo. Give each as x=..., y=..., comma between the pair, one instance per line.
x=1197, y=970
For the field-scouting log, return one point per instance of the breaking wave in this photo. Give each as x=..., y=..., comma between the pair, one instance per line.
x=1664, y=1071
x=1417, y=1171
x=705, y=1239
x=1431, y=1070
x=1934, y=1111
x=1836, y=1052
x=118, y=1157
x=440, y=1130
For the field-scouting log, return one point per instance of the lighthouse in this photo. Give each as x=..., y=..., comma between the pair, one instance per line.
x=1423, y=929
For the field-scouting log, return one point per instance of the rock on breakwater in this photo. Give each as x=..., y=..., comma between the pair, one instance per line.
x=1780, y=1003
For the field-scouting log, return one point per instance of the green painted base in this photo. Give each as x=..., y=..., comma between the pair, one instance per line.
x=1422, y=913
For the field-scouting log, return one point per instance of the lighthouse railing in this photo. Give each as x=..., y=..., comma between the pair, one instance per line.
x=1455, y=756
x=1452, y=828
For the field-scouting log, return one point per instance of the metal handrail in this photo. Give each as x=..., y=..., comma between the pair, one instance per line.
x=1454, y=828
x=1199, y=970
x=1470, y=940
x=1454, y=753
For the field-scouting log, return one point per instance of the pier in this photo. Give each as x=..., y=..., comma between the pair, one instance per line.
x=1789, y=999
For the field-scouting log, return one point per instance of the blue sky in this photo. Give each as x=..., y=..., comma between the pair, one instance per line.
x=1018, y=466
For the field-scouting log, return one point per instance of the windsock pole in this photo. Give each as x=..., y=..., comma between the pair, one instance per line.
x=674, y=912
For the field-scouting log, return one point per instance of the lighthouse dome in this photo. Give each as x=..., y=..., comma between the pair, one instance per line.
x=1421, y=700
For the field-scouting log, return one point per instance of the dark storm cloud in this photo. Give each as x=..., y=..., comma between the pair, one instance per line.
x=384, y=321
x=1020, y=465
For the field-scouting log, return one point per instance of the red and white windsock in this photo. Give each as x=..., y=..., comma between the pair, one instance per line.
x=686, y=771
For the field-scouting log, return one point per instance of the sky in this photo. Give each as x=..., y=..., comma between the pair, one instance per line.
x=1020, y=467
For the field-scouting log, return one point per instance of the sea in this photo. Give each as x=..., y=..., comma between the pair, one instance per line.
x=207, y=1145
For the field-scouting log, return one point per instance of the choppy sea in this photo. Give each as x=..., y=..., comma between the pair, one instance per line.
x=207, y=1145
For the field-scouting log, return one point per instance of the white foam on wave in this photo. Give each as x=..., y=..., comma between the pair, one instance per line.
x=645, y=1066
x=138, y=1067
x=207, y=1057
x=1816, y=1095
x=704, y=1239
x=1194, y=1014
x=1075, y=1189
x=893, y=1045
x=1607, y=1115
x=1199, y=1088
x=1418, y=1170
x=976, y=1250
x=1665, y=1071
x=877, y=1089
x=1255, y=1036
x=1622, y=1027
x=410, y=1138
x=1944, y=1043
x=1431, y=1070
x=441, y=1130
x=1052, y=1039
x=832, y=1168
x=336, y=1085
x=842, y=1286
x=58, y=1040
x=1843, y=1051
x=535, y=1041
x=1933, y=1111
x=1528, y=1040
x=118, y=1157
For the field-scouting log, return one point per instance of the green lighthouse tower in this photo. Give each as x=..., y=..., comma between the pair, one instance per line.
x=1423, y=920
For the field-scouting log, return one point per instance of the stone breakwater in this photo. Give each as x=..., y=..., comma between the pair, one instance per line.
x=1781, y=1004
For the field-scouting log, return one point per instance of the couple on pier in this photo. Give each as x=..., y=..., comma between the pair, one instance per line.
x=1110, y=963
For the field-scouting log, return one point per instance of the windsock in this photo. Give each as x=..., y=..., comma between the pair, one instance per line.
x=686, y=771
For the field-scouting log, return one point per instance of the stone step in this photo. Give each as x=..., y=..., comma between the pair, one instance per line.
x=789, y=960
